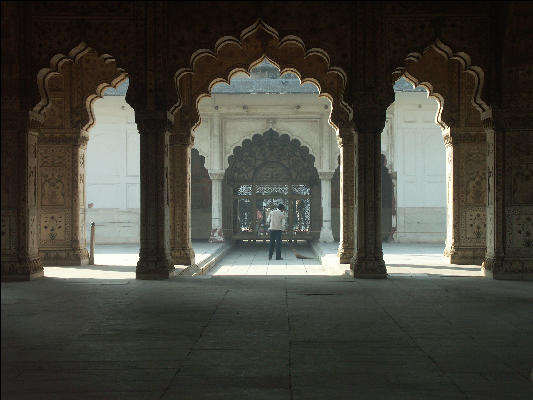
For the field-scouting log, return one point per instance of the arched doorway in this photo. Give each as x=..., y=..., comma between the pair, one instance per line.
x=67, y=118
x=200, y=198
x=233, y=55
x=266, y=171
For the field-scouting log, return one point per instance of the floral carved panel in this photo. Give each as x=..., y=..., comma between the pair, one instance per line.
x=474, y=225
x=55, y=227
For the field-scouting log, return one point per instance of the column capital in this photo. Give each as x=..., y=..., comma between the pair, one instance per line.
x=345, y=140
x=181, y=139
x=326, y=175
x=453, y=136
x=151, y=123
x=216, y=175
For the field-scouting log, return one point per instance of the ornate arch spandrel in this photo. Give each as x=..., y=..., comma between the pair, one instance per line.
x=434, y=68
x=257, y=42
x=71, y=84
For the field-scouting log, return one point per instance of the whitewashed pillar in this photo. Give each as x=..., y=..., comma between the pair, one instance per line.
x=217, y=235
x=326, y=235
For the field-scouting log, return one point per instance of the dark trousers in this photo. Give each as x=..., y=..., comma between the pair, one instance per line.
x=275, y=238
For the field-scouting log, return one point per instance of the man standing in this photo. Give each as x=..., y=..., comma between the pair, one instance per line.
x=277, y=225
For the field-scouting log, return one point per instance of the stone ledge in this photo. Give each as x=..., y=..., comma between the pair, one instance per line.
x=509, y=276
x=155, y=275
x=22, y=277
x=203, y=267
x=327, y=259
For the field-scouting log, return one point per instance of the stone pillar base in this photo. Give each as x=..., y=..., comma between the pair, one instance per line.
x=216, y=236
x=465, y=255
x=326, y=235
x=154, y=267
x=22, y=270
x=508, y=268
x=184, y=256
x=65, y=257
x=345, y=255
x=368, y=268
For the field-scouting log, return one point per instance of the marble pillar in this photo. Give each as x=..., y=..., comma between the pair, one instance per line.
x=510, y=196
x=20, y=259
x=180, y=198
x=347, y=195
x=326, y=235
x=367, y=261
x=217, y=178
x=62, y=197
x=154, y=256
x=466, y=195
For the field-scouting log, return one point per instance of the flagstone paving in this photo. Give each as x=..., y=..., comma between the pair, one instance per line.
x=286, y=329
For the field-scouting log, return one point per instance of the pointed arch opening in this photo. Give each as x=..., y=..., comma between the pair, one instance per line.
x=69, y=89
x=238, y=58
x=423, y=167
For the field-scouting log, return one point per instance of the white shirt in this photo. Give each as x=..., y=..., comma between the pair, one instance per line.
x=277, y=220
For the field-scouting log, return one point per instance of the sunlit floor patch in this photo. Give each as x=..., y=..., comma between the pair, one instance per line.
x=117, y=262
x=412, y=259
x=253, y=260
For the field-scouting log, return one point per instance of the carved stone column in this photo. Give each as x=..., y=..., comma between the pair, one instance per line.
x=79, y=245
x=466, y=195
x=62, y=197
x=368, y=259
x=20, y=211
x=154, y=256
x=326, y=235
x=347, y=194
x=510, y=196
x=217, y=235
x=180, y=198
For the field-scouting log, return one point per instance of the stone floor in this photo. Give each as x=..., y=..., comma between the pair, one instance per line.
x=252, y=259
x=277, y=335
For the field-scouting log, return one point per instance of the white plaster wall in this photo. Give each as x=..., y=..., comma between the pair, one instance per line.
x=241, y=116
x=112, y=173
x=411, y=141
x=414, y=148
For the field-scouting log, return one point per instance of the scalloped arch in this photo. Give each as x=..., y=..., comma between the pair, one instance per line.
x=268, y=147
x=418, y=69
x=239, y=141
x=71, y=84
x=257, y=42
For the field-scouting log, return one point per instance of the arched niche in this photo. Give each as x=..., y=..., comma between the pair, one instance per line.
x=267, y=170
